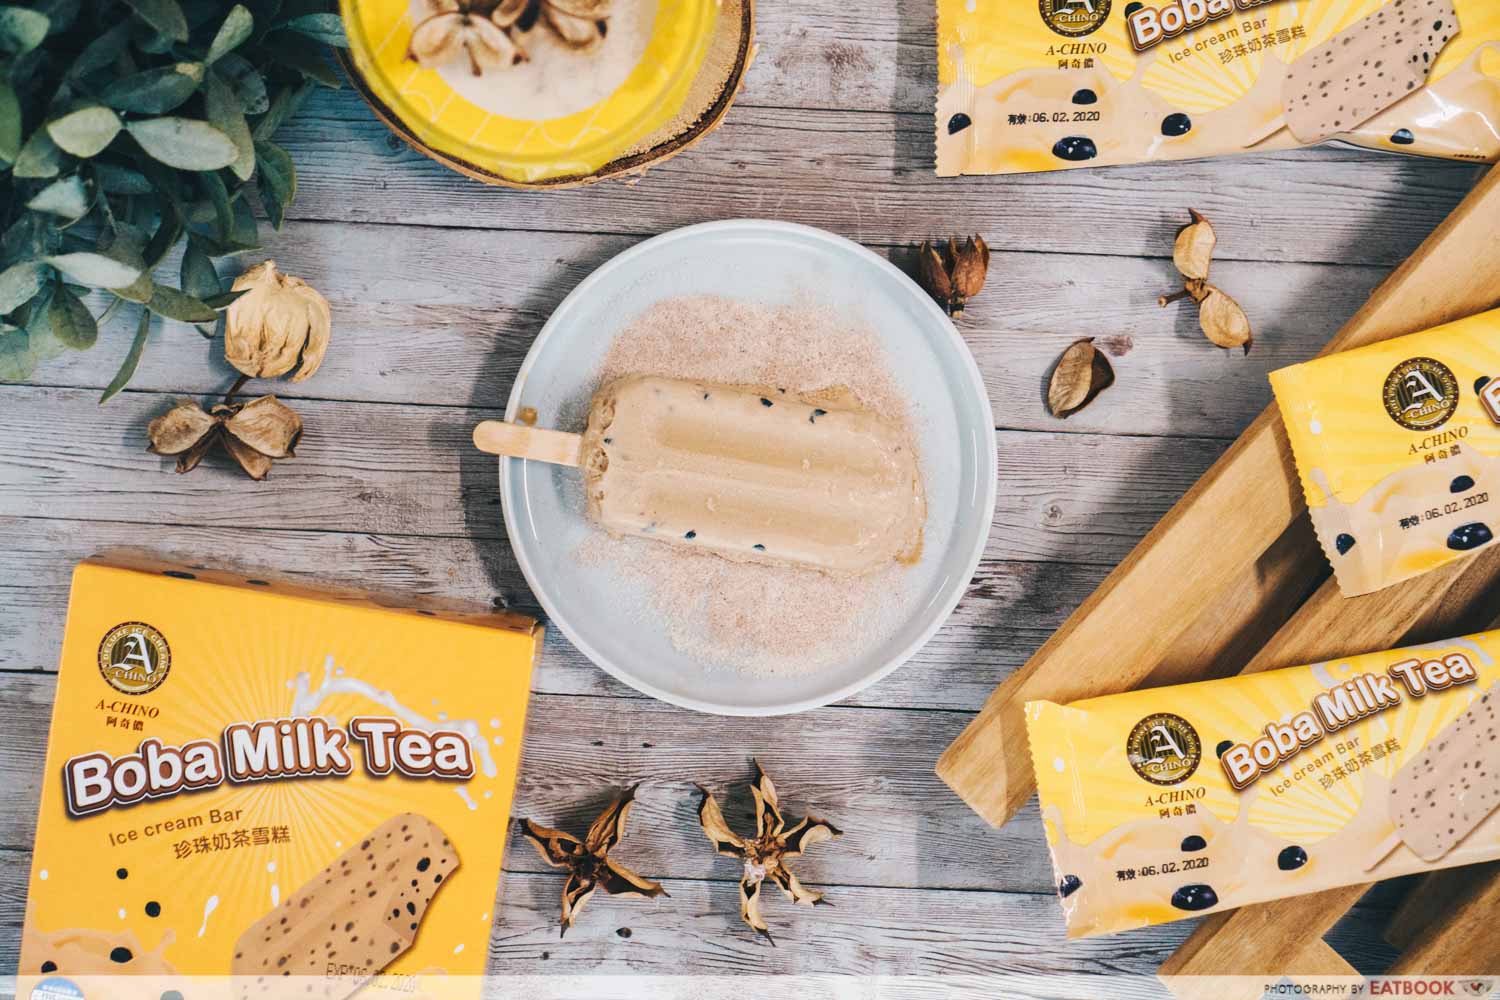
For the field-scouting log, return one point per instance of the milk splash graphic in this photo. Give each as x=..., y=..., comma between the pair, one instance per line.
x=306, y=700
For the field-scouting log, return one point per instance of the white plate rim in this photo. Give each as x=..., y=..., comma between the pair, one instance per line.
x=764, y=227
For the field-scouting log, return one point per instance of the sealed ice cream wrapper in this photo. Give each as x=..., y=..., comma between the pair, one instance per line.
x=1173, y=802
x=1077, y=83
x=1398, y=450
x=255, y=789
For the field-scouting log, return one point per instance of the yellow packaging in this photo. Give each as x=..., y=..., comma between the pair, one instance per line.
x=252, y=779
x=1398, y=449
x=1027, y=85
x=1169, y=803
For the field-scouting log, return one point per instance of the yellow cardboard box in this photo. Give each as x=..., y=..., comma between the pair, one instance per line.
x=250, y=778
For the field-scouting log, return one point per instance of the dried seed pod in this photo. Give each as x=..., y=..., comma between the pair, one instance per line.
x=1223, y=321
x=179, y=429
x=254, y=433
x=277, y=322
x=267, y=425
x=455, y=32
x=588, y=862
x=954, y=275
x=764, y=856
x=1194, y=251
x=1081, y=374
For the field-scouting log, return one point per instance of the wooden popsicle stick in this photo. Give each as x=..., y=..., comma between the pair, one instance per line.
x=536, y=443
x=1228, y=520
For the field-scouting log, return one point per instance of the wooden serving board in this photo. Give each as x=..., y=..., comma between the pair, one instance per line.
x=1233, y=580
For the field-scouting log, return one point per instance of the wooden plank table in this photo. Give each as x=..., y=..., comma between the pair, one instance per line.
x=438, y=285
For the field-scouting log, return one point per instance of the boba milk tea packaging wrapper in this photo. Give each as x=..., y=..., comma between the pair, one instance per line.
x=1026, y=85
x=1168, y=803
x=1398, y=450
x=249, y=779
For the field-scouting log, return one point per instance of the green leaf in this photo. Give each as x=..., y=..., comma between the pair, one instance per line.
x=237, y=26
x=278, y=180
x=154, y=91
x=16, y=360
x=85, y=132
x=285, y=104
x=199, y=278
x=246, y=82
x=224, y=299
x=72, y=323
x=244, y=234
x=223, y=211
x=19, y=284
x=21, y=29
x=164, y=15
x=68, y=197
x=132, y=358
x=302, y=54
x=10, y=124
x=184, y=143
x=165, y=238
x=40, y=157
x=115, y=179
x=326, y=28
x=101, y=52
x=173, y=304
x=95, y=269
x=138, y=290
x=223, y=111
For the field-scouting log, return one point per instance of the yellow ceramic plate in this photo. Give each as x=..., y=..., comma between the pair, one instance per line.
x=562, y=113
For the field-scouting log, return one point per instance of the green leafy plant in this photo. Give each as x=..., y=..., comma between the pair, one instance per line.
x=128, y=127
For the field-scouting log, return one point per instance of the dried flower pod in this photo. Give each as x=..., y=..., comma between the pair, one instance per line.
x=453, y=31
x=954, y=275
x=1194, y=251
x=1081, y=374
x=764, y=856
x=279, y=320
x=254, y=433
x=1224, y=323
x=588, y=862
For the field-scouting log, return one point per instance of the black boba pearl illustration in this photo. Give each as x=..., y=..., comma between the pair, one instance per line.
x=49, y=966
x=1461, y=484
x=1176, y=124
x=153, y=909
x=1291, y=858
x=1085, y=96
x=1075, y=148
x=171, y=995
x=1069, y=885
x=1480, y=383
x=1403, y=137
x=1470, y=536
x=1223, y=747
x=120, y=956
x=1344, y=543
x=1193, y=843
x=1195, y=897
x=959, y=122
x=1131, y=8
x=121, y=873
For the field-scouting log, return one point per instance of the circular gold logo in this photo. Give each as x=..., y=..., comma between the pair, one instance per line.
x=1074, y=18
x=1164, y=749
x=134, y=658
x=1421, y=394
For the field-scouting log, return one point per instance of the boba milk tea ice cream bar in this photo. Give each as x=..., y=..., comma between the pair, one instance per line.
x=1167, y=803
x=1056, y=84
x=1398, y=450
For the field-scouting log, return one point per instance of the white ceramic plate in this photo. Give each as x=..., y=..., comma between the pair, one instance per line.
x=773, y=263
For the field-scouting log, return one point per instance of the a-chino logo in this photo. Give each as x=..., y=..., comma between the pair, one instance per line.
x=134, y=658
x=1074, y=18
x=1421, y=394
x=1164, y=749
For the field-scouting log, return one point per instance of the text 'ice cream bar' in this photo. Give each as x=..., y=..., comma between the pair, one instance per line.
x=1398, y=450
x=1161, y=804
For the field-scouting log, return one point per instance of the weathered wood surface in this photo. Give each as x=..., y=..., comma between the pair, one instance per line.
x=438, y=286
